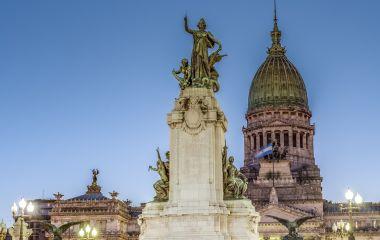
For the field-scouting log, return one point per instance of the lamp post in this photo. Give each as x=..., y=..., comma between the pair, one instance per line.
x=353, y=203
x=20, y=230
x=341, y=228
x=3, y=230
x=88, y=233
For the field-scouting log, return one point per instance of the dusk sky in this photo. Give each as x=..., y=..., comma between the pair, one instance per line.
x=87, y=84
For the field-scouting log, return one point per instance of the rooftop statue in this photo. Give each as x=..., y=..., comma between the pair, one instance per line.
x=235, y=183
x=292, y=226
x=94, y=187
x=162, y=186
x=201, y=72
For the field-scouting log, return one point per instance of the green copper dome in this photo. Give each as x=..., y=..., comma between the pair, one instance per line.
x=277, y=83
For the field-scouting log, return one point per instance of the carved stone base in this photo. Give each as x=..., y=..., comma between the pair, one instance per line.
x=152, y=225
x=237, y=221
x=243, y=220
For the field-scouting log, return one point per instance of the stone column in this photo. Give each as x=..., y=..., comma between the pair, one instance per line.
x=298, y=139
x=247, y=147
x=282, y=137
x=291, y=138
x=264, y=137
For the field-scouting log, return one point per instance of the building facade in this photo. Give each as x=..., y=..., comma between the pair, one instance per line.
x=290, y=187
x=114, y=219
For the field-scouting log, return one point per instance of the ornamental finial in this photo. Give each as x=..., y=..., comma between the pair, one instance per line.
x=276, y=48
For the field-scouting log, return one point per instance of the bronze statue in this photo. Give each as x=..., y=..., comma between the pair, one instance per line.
x=201, y=72
x=95, y=173
x=292, y=226
x=278, y=153
x=162, y=186
x=185, y=69
x=58, y=231
x=235, y=183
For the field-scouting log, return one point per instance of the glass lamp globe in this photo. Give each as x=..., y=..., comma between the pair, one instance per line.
x=334, y=227
x=349, y=195
x=358, y=199
x=22, y=203
x=347, y=227
x=14, y=208
x=81, y=232
x=30, y=207
x=88, y=229
x=94, y=232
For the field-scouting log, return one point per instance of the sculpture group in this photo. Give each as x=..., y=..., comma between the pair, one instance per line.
x=201, y=72
x=200, y=192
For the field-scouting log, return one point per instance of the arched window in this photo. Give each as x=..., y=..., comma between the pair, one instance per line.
x=301, y=139
x=294, y=139
x=254, y=142
x=261, y=140
x=278, y=138
x=269, y=138
x=286, y=139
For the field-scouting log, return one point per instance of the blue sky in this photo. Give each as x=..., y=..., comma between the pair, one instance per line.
x=87, y=84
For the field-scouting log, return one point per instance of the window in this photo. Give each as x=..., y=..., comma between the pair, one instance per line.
x=254, y=142
x=307, y=140
x=301, y=139
x=269, y=138
x=294, y=139
x=261, y=140
x=286, y=139
x=278, y=138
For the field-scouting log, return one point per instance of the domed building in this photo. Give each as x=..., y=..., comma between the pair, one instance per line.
x=289, y=186
x=278, y=111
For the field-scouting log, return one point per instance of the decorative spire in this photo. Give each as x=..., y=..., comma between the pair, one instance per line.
x=276, y=48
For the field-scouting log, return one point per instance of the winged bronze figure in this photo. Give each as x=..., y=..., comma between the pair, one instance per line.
x=292, y=226
x=58, y=231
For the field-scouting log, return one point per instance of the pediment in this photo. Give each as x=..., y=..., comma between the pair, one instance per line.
x=281, y=211
x=278, y=122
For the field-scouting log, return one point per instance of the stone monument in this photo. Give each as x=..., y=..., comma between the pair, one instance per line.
x=200, y=191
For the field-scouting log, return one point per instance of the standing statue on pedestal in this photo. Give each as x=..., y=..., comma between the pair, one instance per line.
x=162, y=186
x=235, y=183
x=201, y=72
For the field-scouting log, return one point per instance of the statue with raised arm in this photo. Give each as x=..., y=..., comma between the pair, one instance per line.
x=203, y=73
x=292, y=226
x=162, y=186
x=185, y=70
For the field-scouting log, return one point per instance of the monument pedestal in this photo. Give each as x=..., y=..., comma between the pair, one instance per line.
x=243, y=220
x=196, y=208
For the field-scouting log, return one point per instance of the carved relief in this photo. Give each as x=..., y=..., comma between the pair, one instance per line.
x=194, y=121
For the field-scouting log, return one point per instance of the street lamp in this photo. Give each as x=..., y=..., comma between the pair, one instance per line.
x=341, y=228
x=19, y=210
x=20, y=230
x=3, y=230
x=353, y=203
x=88, y=232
